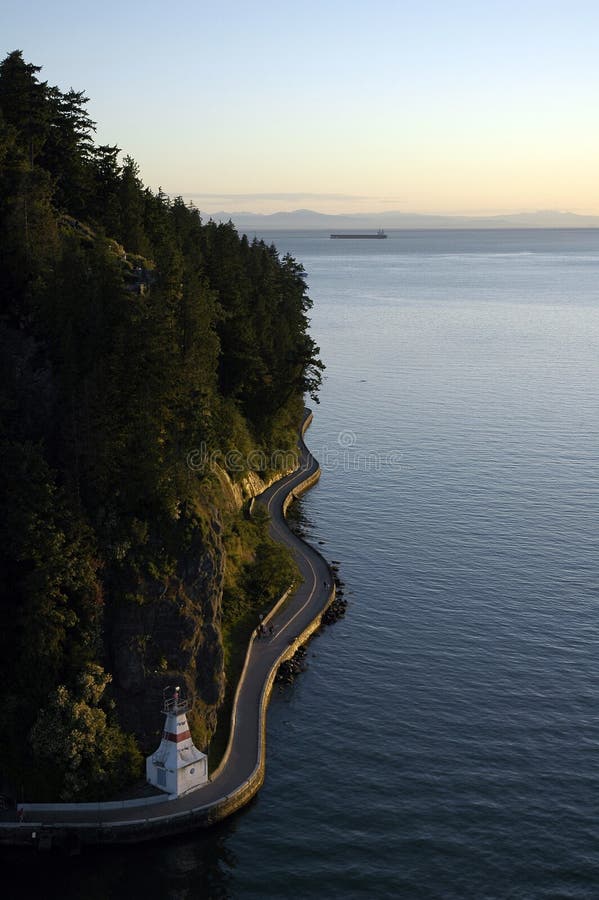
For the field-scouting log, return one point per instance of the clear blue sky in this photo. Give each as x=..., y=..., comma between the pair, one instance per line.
x=424, y=107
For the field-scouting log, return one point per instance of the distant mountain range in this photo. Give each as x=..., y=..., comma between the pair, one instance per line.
x=307, y=219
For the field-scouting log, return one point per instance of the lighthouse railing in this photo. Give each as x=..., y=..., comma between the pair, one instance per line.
x=175, y=706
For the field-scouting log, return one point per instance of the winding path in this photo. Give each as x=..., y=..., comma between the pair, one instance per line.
x=241, y=772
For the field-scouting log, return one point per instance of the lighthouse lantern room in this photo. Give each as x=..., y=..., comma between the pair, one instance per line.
x=177, y=767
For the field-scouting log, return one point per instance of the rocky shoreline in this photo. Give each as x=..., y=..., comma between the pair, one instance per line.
x=295, y=665
x=338, y=607
x=291, y=668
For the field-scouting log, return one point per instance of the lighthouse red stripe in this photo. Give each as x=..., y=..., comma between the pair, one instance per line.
x=176, y=738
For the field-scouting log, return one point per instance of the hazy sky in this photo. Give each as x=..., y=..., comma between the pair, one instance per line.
x=336, y=105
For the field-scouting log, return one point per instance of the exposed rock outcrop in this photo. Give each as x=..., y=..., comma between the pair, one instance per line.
x=173, y=636
x=173, y=639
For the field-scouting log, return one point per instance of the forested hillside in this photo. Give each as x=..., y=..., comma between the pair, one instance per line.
x=133, y=338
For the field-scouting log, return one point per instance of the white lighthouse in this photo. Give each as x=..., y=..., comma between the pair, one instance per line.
x=177, y=767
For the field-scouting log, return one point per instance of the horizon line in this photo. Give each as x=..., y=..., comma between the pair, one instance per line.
x=558, y=213
x=211, y=197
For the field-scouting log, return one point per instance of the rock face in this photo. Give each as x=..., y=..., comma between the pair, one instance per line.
x=172, y=639
x=174, y=636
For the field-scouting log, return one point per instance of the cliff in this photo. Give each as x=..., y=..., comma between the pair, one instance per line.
x=175, y=636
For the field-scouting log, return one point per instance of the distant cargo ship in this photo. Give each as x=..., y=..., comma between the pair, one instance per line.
x=378, y=236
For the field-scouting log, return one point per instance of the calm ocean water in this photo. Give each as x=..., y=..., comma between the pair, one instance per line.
x=444, y=742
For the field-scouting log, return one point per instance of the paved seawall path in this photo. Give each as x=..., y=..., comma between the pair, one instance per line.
x=241, y=772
